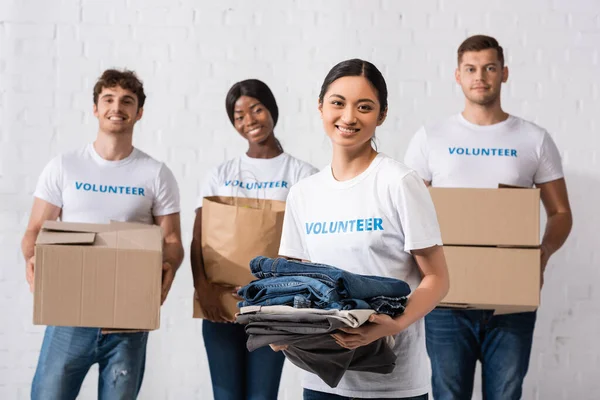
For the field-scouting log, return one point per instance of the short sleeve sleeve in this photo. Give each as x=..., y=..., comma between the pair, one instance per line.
x=166, y=200
x=550, y=165
x=417, y=214
x=209, y=186
x=292, y=244
x=49, y=186
x=417, y=155
x=305, y=171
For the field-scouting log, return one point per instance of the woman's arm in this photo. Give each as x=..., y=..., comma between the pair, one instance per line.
x=432, y=289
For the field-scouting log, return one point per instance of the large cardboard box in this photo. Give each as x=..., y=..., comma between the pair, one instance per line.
x=491, y=240
x=488, y=217
x=98, y=275
x=502, y=279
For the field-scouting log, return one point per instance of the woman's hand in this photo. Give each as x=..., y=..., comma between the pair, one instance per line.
x=380, y=325
x=209, y=296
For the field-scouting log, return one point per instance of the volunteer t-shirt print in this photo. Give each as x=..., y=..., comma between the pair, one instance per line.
x=255, y=185
x=482, y=151
x=344, y=226
x=83, y=186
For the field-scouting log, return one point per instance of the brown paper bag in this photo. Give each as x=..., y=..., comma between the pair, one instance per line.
x=234, y=231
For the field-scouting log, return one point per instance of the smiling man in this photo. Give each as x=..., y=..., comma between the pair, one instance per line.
x=480, y=148
x=108, y=179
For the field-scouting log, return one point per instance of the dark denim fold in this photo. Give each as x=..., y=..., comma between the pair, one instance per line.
x=349, y=285
x=306, y=285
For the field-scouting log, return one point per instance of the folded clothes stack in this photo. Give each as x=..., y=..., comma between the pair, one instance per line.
x=300, y=305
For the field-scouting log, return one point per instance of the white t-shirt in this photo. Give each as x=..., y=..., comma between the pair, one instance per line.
x=91, y=189
x=262, y=178
x=367, y=225
x=458, y=153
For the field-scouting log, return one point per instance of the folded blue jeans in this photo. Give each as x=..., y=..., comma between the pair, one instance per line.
x=296, y=291
x=311, y=285
x=347, y=284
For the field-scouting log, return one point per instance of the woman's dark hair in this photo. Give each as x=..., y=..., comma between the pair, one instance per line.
x=357, y=67
x=252, y=88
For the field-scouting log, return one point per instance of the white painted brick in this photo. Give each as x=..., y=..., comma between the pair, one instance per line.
x=442, y=21
x=476, y=22
x=29, y=31
x=425, y=6
x=29, y=65
x=124, y=15
x=104, y=32
x=160, y=34
x=48, y=12
x=97, y=13
x=577, y=6
x=584, y=21
x=98, y=49
x=165, y=16
x=389, y=20
x=439, y=37
x=67, y=42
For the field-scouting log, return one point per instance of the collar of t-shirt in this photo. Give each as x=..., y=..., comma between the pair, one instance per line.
x=335, y=184
x=486, y=128
x=263, y=162
x=107, y=163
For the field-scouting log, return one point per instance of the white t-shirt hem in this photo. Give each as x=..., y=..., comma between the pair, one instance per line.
x=368, y=394
x=424, y=244
x=549, y=179
x=292, y=253
x=166, y=211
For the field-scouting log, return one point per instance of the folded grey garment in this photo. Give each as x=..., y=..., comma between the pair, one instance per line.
x=257, y=341
x=302, y=328
x=324, y=357
x=352, y=318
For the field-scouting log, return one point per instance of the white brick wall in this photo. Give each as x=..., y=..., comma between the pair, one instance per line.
x=189, y=53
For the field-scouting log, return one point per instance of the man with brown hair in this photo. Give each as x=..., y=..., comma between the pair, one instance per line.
x=480, y=148
x=108, y=179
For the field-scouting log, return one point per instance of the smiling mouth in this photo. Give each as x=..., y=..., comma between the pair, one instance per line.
x=116, y=119
x=346, y=131
x=254, y=131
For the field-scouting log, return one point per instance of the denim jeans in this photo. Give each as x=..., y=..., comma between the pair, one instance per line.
x=300, y=292
x=349, y=285
x=305, y=285
x=314, y=395
x=237, y=374
x=456, y=339
x=68, y=353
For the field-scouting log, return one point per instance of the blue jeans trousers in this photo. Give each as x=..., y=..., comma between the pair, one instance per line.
x=68, y=353
x=236, y=373
x=456, y=339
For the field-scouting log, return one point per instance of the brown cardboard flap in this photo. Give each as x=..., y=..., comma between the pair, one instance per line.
x=139, y=239
x=53, y=237
x=60, y=226
x=488, y=217
x=125, y=226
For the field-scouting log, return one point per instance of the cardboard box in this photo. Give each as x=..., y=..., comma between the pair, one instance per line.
x=488, y=217
x=98, y=275
x=503, y=279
